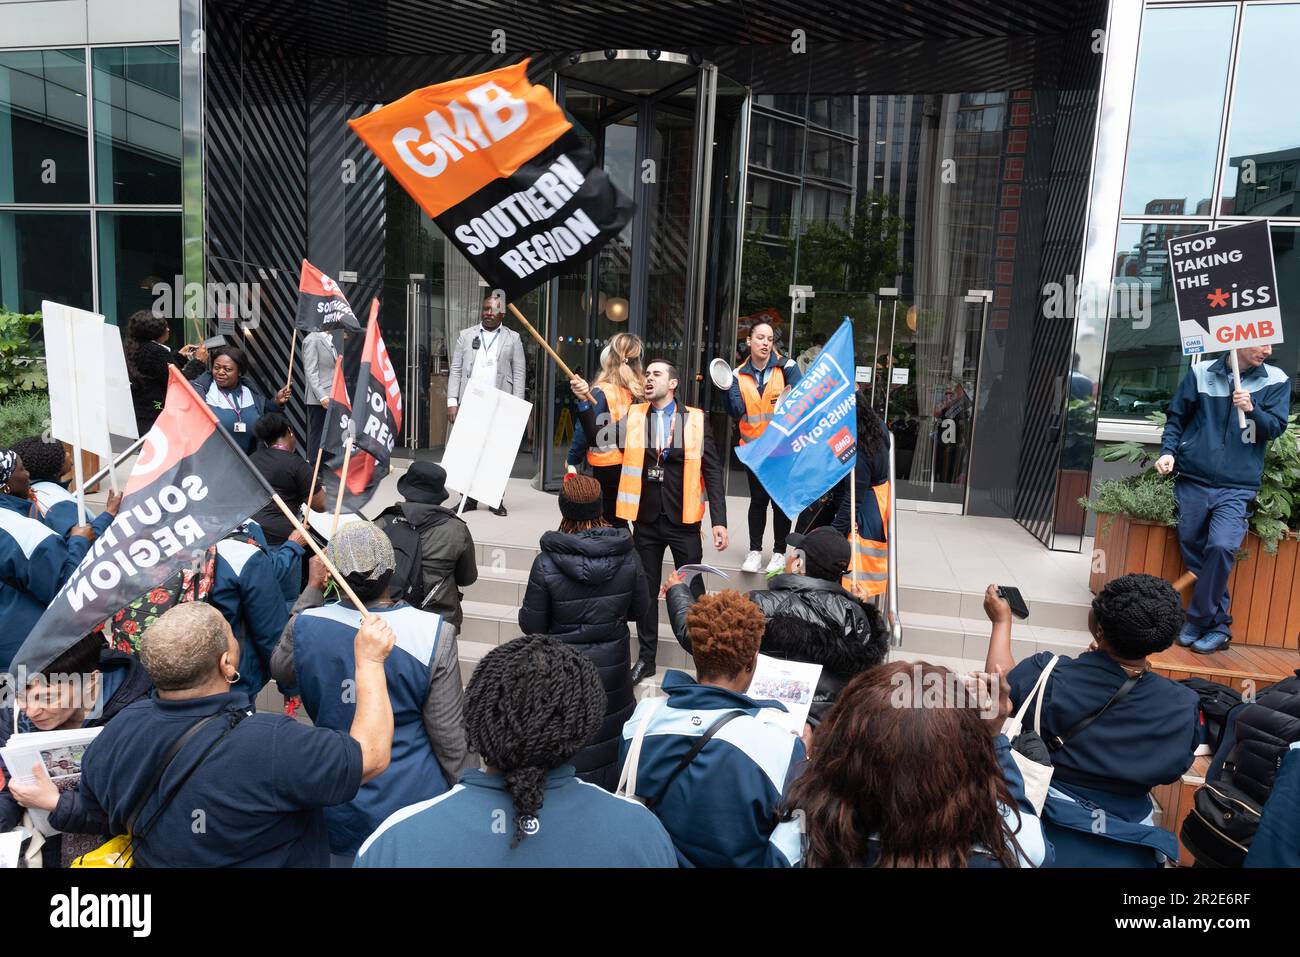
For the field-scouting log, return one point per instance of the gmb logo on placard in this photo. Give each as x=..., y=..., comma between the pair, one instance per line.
x=495, y=116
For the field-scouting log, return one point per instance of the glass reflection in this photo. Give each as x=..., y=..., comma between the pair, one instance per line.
x=1259, y=175
x=1178, y=99
x=43, y=127
x=137, y=125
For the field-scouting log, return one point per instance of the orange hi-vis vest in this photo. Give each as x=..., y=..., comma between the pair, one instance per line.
x=871, y=559
x=758, y=408
x=629, y=483
x=607, y=452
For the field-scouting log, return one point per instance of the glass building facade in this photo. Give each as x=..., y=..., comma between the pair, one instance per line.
x=935, y=179
x=90, y=176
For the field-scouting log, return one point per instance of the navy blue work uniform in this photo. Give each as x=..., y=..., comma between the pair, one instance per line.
x=1106, y=771
x=1218, y=468
x=256, y=800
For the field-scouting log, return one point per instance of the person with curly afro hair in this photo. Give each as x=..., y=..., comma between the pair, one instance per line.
x=1114, y=728
x=531, y=705
x=45, y=498
x=712, y=761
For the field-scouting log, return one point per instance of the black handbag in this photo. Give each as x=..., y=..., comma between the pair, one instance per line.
x=1220, y=826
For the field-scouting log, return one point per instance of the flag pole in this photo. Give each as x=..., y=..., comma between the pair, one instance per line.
x=315, y=474
x=122, y=457
x=853, y=530
x=343, y=481
x=320, y=553
x=293, y=346
x=542, y=342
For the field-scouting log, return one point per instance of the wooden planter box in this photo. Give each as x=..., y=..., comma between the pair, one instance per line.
x=1265, y=588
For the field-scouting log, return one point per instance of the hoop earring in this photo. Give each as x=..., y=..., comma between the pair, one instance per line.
x=232, y=679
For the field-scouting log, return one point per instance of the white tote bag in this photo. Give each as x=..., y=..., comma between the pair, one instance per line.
x=1038, y=777
x=627, y=777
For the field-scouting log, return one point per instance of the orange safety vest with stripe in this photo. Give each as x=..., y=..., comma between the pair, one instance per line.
x=629, y=483
x=607, y=452
x=758, y=408
x=871, y=559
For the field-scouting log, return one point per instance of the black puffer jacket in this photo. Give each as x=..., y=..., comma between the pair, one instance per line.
x=851, y=637
x=583, y=589
x=1264, y=730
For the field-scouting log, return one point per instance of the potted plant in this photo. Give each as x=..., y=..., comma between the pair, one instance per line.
x=1137, y=534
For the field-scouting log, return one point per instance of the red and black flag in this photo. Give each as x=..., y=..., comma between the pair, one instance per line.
x=496, y=163
x=321, y=303
x=190, y=486
x=373, y=420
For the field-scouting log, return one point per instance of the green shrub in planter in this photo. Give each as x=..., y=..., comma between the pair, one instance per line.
x=1149, y=497
x=23, y=414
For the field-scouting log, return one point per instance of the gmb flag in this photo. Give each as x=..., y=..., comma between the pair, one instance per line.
x=372, y=418
x=493, y=159
x=811, y=441
x=190, y=486
x=321, y=303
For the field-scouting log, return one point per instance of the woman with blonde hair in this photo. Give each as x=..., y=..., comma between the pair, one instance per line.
x=620, y=383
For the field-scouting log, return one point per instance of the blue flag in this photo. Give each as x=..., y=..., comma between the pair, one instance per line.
x=811, y=441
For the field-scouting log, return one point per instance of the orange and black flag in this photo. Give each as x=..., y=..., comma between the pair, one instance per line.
x=321, y=303
x=497, y=164
x=189, y=487
x=373, y=419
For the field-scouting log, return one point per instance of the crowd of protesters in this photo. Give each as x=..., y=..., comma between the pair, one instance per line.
x=547, y=758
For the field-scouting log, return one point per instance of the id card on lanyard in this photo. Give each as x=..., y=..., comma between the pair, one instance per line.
x=240, y=425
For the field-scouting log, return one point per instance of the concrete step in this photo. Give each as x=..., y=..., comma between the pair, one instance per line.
x=491, y=624
x=957, y=637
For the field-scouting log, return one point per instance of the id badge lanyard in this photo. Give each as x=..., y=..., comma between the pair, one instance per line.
x=239, y=413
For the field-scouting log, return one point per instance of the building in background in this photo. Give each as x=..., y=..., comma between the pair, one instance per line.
x=940, y=175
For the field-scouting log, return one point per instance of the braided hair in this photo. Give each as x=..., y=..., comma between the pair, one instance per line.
x=42, y=457
x=531, y=704
x=1139, y=615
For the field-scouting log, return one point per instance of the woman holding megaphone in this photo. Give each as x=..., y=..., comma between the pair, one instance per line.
x=619, y=383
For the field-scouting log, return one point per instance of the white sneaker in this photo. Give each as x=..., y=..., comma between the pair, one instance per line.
x=753, y=562
x=777, y=564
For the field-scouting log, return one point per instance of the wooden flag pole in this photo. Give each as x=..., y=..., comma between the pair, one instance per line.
x=293, y=347
x=343, y=481
x=542, y=342
x=315, y=474
x=320, y=553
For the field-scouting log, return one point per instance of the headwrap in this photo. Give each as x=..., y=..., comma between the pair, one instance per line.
x=8, y=460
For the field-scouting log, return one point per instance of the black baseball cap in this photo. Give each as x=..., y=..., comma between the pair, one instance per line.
x=826, y=552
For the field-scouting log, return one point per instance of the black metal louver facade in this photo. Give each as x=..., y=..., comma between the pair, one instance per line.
x=285, y=177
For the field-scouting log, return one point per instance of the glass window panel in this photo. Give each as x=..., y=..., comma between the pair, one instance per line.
x=1286, y=255
x=1144, y=354
x=136, y=251
x=137, y=125
x=43, y=156
x=1178, y=101
x=1259, y=171
x=45, y=255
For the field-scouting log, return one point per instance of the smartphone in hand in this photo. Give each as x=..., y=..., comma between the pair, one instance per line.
x=1015, y=600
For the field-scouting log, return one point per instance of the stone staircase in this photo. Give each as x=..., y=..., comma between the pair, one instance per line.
x=945, y=625
x=939, y=623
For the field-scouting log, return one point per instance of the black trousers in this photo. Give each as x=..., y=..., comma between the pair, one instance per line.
x=608, y=477
x=759, y=500
x=651, y=539
x=315, y=426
